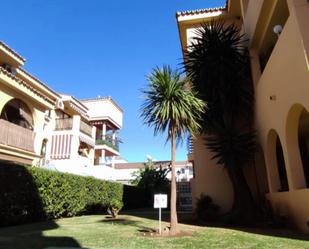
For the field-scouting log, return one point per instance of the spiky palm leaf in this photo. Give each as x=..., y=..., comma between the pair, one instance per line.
x=170, y=102
x=232, y=148
x=217, y=63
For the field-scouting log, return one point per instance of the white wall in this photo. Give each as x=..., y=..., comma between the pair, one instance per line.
x=99, y=108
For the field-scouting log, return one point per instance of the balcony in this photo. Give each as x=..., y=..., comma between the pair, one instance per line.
x=109, y=141
x=16, y=136
x=67, y=124
x=64, y=124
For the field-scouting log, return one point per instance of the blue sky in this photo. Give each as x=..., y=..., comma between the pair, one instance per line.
x=96, y=47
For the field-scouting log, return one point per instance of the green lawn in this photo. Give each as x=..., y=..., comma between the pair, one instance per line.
x=99, y=232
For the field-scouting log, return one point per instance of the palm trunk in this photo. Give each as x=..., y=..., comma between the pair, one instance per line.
x=174, y=220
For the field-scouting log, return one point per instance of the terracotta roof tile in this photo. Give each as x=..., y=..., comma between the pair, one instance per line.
x=199, y=11
x=12, y=51
x=25, y=84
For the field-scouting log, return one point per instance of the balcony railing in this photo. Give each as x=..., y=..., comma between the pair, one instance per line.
x=86, y=128
x=67, y=124
x=64, y=124
x=16, y=136
x=109, y=141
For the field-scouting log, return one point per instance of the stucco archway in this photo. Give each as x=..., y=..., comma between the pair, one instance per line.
x=297, y=142
x=17, y=111
x=277, y=175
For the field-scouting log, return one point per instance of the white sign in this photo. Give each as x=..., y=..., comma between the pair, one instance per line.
x=160, y=201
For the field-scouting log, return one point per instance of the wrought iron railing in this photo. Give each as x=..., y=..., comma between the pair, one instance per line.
x=109, y=141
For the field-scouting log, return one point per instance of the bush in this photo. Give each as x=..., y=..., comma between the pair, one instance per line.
x=114, y=207
x=30, y=194
x=206, y=210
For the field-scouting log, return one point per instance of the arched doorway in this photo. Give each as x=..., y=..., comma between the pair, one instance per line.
x=303, y=143
x=276, y=163
x=17, y=112
x=281, y=167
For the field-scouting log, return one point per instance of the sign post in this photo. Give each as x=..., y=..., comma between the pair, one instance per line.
x=160, y=201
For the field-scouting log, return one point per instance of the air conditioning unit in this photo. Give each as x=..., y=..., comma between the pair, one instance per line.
x=59, y=104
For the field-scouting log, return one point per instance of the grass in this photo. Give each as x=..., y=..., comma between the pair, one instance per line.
x=99, y=232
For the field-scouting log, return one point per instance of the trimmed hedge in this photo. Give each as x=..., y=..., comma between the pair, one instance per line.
x=30, y=194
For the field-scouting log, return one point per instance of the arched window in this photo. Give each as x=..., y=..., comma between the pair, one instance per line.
x=17, y=112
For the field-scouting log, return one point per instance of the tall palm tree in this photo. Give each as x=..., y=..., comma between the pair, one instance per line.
x=171, y=105
x=217, y=63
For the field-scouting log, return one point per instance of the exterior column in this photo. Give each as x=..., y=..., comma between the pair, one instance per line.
x=113, y=162
x=255, y=66
x=75, y=139
x=114, y=135
x=103, y=131
x=102, y=160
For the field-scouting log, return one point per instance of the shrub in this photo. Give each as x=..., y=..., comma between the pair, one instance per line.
x=114, y=207
x=30, y=194
x=206, y=210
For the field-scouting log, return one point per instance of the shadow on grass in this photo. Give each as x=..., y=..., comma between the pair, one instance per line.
x=128, y=222
x=31, y=236
x=187, y=218
x=21, y=204
x=275, y=232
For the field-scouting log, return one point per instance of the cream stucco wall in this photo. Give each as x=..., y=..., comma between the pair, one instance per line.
x=281, y=93
x=286, y=79
x=210, y=178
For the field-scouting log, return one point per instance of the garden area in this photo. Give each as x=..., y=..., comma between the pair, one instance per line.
x=45, y=209
x=127, y=231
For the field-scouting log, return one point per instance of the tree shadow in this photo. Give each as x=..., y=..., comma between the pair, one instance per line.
x=188, y=219
x=128, y=222
x=275, y=232
x=21, y=204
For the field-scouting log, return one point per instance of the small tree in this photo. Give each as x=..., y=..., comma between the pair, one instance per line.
x=152, y=179
x=171, y=105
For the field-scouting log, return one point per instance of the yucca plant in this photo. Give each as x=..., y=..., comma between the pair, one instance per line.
x=171, y=105
x=217, y=63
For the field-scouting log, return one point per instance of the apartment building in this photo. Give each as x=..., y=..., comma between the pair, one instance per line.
x=24, y=102
x=279, y=50
x=42, y=127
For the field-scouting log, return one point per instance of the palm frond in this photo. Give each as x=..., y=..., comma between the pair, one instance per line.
x=170, y=102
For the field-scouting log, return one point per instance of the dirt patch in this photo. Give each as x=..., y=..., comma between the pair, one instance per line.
x=165, y=233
